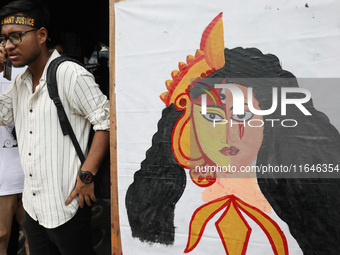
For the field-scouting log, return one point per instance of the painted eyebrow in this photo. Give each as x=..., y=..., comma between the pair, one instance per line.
x=233, y=107
x=215, y=106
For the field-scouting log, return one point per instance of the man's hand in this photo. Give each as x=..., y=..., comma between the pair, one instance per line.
x=3, y=58
x=85, y=192
x=99, y=148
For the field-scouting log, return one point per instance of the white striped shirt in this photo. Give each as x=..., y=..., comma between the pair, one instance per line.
x=48, y=158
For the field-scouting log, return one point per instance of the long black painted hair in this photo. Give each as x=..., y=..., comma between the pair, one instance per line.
x=310, y=206
x=151, y=198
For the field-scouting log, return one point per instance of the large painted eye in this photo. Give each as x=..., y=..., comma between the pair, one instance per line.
x=213, y=117
x=242, y=117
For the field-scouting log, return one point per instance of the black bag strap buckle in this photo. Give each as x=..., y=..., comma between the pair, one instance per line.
x=57, y=102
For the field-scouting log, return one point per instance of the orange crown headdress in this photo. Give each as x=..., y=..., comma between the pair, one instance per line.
x=207, y=60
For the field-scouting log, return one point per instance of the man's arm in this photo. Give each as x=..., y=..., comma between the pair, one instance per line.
x=88, y=101
x=99, y=148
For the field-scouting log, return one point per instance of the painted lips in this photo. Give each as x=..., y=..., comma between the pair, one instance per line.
x=229, y=151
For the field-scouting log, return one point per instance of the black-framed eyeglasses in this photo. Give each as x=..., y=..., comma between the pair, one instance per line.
x=14, y=38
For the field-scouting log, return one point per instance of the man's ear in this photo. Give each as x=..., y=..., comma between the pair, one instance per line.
x=42, y=35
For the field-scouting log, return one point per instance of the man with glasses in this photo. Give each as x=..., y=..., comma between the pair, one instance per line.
x=56, y=202
x=13, y=38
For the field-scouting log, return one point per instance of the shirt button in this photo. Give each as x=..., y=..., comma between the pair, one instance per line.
x=33, y=194
x=31, y=110
x=30, y=175
x=29, y=154
x=31, y=132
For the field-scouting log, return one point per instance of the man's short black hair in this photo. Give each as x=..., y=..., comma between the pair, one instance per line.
x=31, y=8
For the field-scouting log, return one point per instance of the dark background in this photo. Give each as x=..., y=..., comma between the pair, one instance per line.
x=82, y=24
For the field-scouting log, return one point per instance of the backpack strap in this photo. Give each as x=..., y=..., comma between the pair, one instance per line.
x=52, y=87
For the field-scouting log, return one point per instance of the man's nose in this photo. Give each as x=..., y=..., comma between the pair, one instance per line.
x=9, y=44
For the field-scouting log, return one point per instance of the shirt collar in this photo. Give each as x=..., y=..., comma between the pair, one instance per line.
x=54, y=55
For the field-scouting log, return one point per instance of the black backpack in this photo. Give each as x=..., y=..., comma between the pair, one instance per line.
x=102, y=178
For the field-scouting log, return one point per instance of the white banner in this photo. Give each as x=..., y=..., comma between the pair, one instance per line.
x=166, y=208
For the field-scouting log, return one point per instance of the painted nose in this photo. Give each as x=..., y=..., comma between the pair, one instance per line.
x=233, y=129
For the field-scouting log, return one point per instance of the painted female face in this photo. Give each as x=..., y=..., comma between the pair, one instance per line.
x=224, y=137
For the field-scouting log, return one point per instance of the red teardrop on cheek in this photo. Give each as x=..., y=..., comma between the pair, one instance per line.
x=241, y=130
